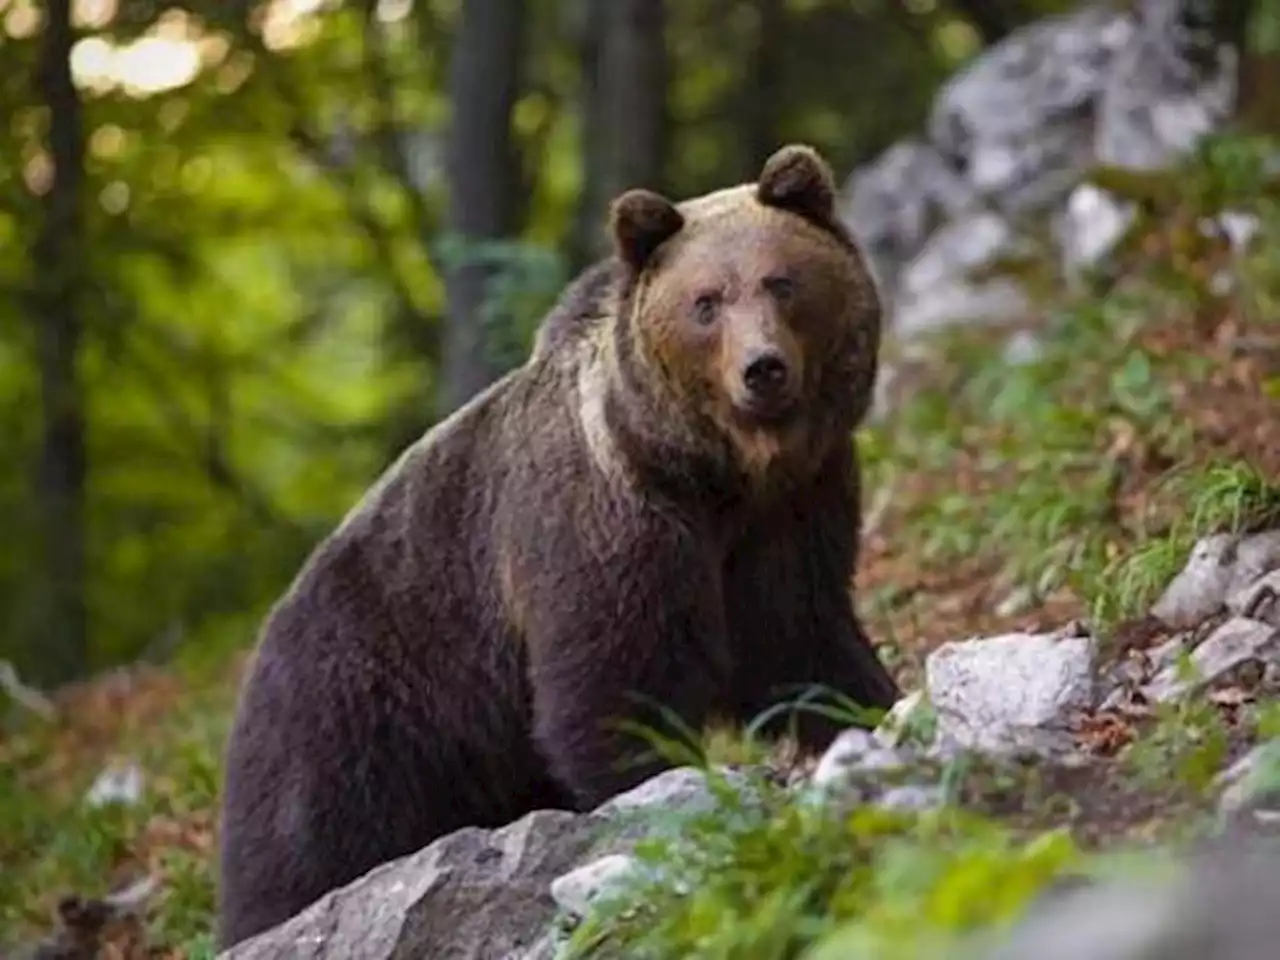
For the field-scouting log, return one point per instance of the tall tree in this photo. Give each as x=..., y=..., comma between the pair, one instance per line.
x=764, y=92
x=484, y=177
x=56, y=302
x=634, y=75
x=587, y=240
x=623, y=108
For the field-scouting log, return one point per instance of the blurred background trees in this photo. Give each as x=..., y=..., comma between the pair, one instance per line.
x=248, y=250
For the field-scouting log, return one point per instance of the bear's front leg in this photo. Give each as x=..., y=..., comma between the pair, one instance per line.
x=788, y=597
x=632, y=630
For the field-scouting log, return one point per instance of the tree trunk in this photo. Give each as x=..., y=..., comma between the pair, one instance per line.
x=624, y=112
x=761, y=111
x=57, y=260
x=588, y=241
x=634, y=75
x=483, y=175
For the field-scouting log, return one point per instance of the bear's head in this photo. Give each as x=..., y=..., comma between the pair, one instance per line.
x=749, y=314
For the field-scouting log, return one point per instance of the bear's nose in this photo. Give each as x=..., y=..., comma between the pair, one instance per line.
x=765, y=374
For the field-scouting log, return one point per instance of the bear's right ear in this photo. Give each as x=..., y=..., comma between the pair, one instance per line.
x=796, y=178
x=640, y=221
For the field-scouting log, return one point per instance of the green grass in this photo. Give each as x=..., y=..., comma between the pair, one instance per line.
x=1036, y=466
x=52, y=843
x=763, y=876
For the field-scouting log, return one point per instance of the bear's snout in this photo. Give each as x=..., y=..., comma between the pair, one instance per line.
x=765, y=374
x=767, y=383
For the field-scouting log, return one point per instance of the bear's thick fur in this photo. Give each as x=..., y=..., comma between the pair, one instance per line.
x=659, y=509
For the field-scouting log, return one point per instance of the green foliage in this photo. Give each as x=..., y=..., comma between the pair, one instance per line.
x=524, y=280
x=52, y=842
x=764, y=876
x=1043, y=451
x=1188, y=742
x=1220, y=498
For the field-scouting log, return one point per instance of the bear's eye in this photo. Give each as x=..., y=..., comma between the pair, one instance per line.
x=704, y=308
x=782, y=288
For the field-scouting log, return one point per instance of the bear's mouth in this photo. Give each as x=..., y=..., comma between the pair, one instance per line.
x=774, y=414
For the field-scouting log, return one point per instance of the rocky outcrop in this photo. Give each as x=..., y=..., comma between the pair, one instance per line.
x=1218, y=907
x=476, y=894
x=1009, y=140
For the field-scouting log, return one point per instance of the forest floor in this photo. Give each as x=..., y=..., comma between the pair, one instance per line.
x=999, y=498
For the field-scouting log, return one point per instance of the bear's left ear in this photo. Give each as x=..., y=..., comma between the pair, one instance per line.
x=640, y=221
x=796, y=178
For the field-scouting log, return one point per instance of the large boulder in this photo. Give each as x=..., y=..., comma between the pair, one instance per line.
x=474, y=894
x=1009, y=141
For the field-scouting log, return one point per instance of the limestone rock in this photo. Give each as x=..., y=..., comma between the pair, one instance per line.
x=1092, y=223
x=474, y=894
x=575, y=890
x=1218, y=567
x=1166, y=89
x=1220, y=906
x=1012, y=693
x=893, y=203
x=936, y=288
x=1233, y=643
x=1018, y=121
x=1251, y=785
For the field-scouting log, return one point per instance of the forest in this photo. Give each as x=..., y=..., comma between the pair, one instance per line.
x=251, y=249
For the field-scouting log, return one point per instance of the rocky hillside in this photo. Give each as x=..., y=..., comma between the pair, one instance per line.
x=1072, y=559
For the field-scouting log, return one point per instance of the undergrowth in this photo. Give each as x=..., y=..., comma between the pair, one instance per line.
x=1079, y=469
x=763, y=876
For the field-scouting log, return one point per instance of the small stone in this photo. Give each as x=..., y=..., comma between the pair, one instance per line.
x=119, y=783
x=911, y=797
x=843, y=756
x=1240, y=228
x=1233, y=643
x=1092, y=224
x=1259, y=600
x=683, y=788
x=1218, y=566
x=1252, y=783
x=1011, y=693
x=1022, y=348
x=575, y=890
x=901, y=718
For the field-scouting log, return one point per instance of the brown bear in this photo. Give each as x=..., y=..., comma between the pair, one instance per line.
x=657, y=514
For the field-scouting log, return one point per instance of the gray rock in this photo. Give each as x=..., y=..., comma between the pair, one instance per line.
x=902, y=717
x=683, y=789
x=1092, y=223
x=120, y=783
x=935, y=289
x=893, y=203
x=1021, y=348
x=476, y=894
x=1166, y=89
x=1235, y=642
x=1240, y=227
x=1251, y=786
x=845, y=754
x=575, y=890
x=1018, y=121
x=1259, y=600
x=472, y=895
x=1218, y=567
x=1011, y=693
x=1220, y=907
x=911, y=797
